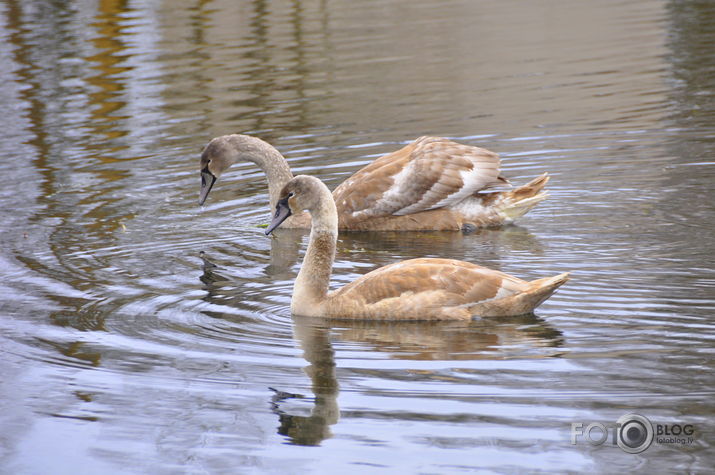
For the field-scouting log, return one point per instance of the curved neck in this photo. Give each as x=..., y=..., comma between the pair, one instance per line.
x=268, y=159
x=311, y=285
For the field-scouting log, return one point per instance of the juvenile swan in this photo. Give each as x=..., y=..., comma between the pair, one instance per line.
x=416, y=289
x=430, y=184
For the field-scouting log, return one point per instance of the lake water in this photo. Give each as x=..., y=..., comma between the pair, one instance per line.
x=140, y=333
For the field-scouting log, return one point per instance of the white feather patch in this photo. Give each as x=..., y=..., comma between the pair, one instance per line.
x=474, y=180
x=393, y=193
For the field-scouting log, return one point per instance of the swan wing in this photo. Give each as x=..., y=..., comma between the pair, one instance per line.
x=419, y=287
x=429, y=173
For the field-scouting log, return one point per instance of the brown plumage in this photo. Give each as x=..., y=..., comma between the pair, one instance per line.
x=416, y=289
x=430, y=184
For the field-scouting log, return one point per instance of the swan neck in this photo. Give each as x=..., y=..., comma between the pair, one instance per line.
x=268, y=159
x=311, y=285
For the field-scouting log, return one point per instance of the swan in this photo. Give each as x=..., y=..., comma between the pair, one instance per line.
x=432, y=183
x=415, y=289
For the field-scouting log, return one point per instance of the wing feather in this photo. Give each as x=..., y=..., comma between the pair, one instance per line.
x=429, y=173
x=429, y=281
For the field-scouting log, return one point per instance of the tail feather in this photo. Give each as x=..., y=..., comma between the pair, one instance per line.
x=518, y=202
x=530, y=189
x=502, y=207
x=535, y=293
x=541, y=289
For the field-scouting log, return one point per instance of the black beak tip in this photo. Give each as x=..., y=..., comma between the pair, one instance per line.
x=282, y=213
x=207, y=182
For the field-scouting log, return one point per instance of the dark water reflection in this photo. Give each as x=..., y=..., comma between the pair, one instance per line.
x=140, y=333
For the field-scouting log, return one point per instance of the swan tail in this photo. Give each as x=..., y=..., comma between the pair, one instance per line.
x=541, y=289
x=519, y=201
x=524, y=302
x=503, y=207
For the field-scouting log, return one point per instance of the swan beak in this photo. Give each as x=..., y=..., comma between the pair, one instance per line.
x=282, y=212
x=207, y=182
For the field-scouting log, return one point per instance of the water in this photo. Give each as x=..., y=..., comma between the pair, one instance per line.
x=124, y=352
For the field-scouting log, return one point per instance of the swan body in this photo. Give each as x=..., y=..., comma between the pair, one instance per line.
x=430, y=184
x=415, y=289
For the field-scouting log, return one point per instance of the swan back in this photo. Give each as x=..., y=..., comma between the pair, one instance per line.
x=427, y=174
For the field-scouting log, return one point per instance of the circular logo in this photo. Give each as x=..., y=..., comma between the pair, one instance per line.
x=635, y=433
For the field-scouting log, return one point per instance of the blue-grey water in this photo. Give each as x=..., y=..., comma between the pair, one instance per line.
x=140, y=333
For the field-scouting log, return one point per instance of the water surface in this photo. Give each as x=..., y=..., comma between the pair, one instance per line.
x=141, y=333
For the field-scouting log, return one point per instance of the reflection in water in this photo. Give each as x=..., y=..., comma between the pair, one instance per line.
x=486, y=338
x=210, y=276
x=314, y=339
x=285, y=252
x=483, y=338
x=490, y=241
x=62, y=112
x=690, y=40
x=109, y=62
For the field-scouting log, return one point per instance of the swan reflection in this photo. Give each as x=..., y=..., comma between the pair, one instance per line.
x=487, y=338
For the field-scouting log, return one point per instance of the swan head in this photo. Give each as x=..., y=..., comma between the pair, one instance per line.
x=216, y=158
x=301, y=193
